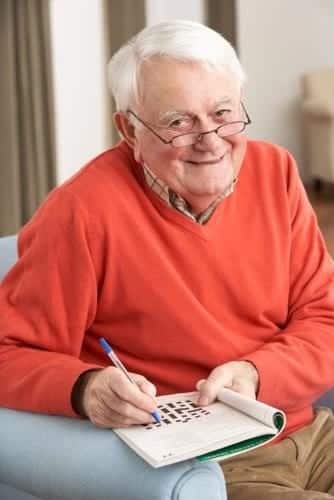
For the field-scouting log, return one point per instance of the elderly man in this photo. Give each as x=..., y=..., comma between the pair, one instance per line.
x=196, y=253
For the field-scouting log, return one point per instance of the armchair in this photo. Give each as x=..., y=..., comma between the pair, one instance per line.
x=318, y=121
x=33, y=448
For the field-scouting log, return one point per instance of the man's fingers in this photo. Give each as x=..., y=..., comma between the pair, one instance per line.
x=200, y=383
x=104, y=414
x=111, y=400
x=112, y=419
x=128, y=392
x=240, y=376
x=145, y=385
x=210, y=387
x=131, y=411
x=244, y=387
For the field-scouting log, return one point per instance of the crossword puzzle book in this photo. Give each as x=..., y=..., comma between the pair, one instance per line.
x=230, y=426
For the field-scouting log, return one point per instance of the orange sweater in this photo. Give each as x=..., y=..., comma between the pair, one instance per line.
x=104, y=256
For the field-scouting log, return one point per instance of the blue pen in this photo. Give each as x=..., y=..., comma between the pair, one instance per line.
x=118, y=363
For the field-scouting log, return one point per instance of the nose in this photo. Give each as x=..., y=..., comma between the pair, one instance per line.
x=209, y=141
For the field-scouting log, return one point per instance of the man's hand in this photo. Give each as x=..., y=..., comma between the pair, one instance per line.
x=111, y=400
x=240, y=376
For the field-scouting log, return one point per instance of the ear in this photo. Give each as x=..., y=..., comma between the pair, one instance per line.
x=125, y=128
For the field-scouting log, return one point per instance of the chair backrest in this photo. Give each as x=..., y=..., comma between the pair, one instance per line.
x=8, y=254
x=319, y=83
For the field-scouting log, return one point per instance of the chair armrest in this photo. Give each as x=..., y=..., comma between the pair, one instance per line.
x=8, y=255
x=58, y=457
x=318, y=108
x=9, y=493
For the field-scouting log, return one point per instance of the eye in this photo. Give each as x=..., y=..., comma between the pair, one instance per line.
x=176, y=123
x=183, y=123
x=223, y=113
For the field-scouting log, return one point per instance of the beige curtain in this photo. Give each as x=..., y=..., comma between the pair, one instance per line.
x=221, y=15
x=27, y=152
x=123, y=19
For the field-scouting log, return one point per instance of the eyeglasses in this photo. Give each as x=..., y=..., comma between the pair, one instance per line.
x=225, y=130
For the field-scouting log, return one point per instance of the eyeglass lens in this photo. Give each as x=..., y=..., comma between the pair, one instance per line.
x=222, y=131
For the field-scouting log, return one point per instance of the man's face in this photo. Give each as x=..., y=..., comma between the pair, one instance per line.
x=180, y=96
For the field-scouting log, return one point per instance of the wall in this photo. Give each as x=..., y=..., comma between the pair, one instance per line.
x=278, y=41
x=162, y=10
x=80, y=91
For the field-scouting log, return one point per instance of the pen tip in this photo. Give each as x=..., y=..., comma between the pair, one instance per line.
x=156, y=417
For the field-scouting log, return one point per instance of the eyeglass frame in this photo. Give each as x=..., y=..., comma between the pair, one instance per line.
x=199, y=134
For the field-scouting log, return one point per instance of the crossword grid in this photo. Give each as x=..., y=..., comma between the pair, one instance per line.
x=179, y=411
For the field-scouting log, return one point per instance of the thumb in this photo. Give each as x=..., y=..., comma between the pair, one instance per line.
x=199, y=384
x=244, y=387
x=221, y=376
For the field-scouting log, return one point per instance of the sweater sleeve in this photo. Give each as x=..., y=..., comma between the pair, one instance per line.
x=297, y=366
x=47, y=302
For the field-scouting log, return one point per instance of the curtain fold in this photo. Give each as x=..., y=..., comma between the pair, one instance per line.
x=123, y=19
x=221, y=15
x=27, y=144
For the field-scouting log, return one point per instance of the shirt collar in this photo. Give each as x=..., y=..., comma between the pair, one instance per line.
x=174, y=200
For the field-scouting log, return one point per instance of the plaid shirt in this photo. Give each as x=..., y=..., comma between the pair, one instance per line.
x=179, y=203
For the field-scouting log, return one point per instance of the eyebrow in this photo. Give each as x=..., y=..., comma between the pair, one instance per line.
x=168, y=115
x=225, y=100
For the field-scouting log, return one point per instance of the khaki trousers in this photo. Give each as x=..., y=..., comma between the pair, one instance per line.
x=300, y=467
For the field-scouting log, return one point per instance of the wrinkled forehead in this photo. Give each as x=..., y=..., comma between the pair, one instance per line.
x=166, y=84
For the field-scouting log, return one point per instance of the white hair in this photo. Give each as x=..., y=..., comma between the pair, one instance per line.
x=178, y=39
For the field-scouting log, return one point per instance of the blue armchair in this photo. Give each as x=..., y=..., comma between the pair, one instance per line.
x=33, y=449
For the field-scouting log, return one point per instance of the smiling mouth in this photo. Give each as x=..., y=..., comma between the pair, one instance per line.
x=210, y=162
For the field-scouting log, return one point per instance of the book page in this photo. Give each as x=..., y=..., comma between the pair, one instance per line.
x=265, y=413
x=187, y=430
